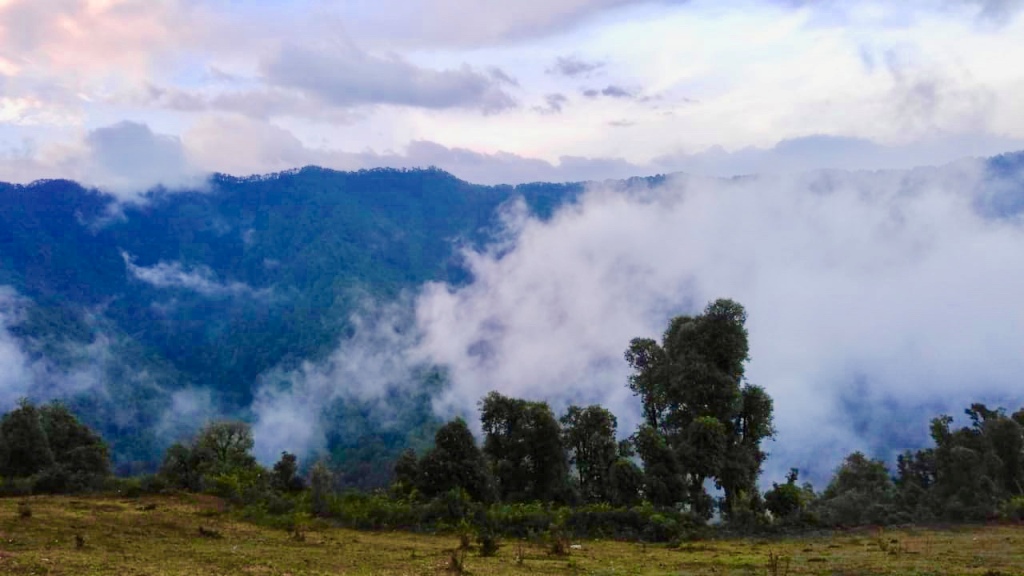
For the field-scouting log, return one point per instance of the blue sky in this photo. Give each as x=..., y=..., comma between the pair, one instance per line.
x=502, y=92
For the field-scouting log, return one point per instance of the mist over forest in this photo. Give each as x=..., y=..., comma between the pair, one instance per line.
x=350, y=314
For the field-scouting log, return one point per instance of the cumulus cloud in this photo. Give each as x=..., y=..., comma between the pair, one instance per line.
x=125, y=159
x=875, y=300
x=348, y=76
x=129, y=158
x=197, y=278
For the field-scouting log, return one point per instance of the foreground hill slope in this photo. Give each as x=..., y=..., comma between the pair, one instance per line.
x=193, y=535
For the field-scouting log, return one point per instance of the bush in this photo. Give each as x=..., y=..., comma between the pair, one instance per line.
x=15, y=487
x=1013, y=509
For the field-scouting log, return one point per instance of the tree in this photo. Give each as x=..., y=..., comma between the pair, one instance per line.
x=321, y=487
x=455, y=462
x=710, y=423
x=228, y=444
x=589, y=435
x=523, y=445
x=625, y=483
x=785, y=501
x=407, y=472
x=664, y=481
x=26, y=449
x=861, y=492
x=183, y=467
x=285, y=475
x=977, y=466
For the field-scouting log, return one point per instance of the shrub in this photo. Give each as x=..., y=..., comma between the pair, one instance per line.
x=1013, y=509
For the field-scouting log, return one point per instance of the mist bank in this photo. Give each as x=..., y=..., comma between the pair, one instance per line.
x=875, y=299
x=351, y=313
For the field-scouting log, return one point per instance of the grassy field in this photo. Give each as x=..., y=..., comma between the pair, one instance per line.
x=193, y=536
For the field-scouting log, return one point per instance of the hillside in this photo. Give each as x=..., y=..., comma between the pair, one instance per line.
x=163, y=535
x=150, y=317
x=121, y=306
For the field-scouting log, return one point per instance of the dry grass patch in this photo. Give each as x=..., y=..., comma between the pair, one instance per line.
x=157, y=536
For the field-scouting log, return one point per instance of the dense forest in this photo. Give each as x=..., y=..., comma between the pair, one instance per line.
x=210, y=290
x=696, y=457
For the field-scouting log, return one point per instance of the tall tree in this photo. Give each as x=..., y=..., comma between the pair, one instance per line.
x=589, y=436
x=710, y=423
x=523, y=445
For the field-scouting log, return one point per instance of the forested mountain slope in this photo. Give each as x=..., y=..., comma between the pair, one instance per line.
x=120, y=305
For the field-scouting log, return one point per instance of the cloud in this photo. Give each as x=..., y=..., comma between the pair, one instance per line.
x=198, y=279
x=876, y=299
x=553, y=104
x=242, y=146
x=573, y=66
x=15, y=378
x=348, y=76
x=996, y=10
x=455, y=23
x=376, y=366
x=611, y=91
x=822, y=151
x=125, y=159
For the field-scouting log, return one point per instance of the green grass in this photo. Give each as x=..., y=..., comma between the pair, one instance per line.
x=161, y=535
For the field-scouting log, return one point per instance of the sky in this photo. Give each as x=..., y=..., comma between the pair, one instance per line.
x=128, y=94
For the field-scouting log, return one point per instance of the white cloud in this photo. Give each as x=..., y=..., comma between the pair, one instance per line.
x=16, y=377
x=875, y=300
x=125, y=159
x=373, y=366
x=196, y=278
x=347, y=76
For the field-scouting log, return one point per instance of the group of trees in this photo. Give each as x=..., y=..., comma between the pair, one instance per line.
x=972, y=473
x=527, y=456
x=703, y=425
x=46, y=449
x=701, y=422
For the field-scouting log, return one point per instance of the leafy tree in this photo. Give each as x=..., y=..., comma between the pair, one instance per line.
x=407, y=471
x=976, y=466
x=285, y=477
x=523, y=444
x=710, y=423
x=664, y=481
x=861, y=492
x=455, y=462
x=26, y=449
x=228, y=444
x=589, y=435
x=321, y=487
x=786, y=501
x=625, y=483
x=183, y=467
